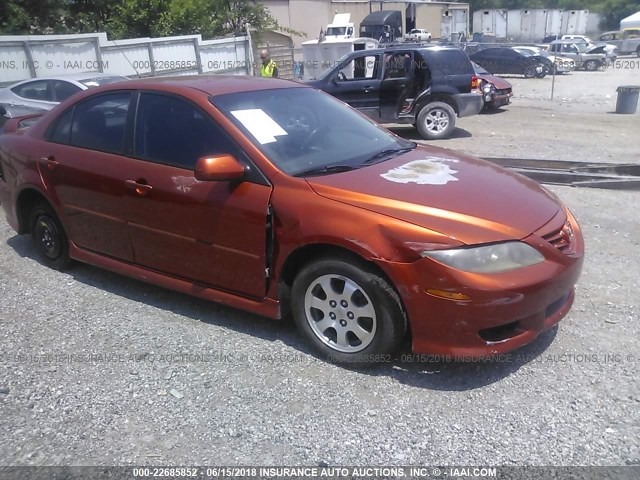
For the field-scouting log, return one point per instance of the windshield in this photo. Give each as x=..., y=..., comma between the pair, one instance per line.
x=336, y=30
x=302, y=129
x=524, y=52
x=479, y=70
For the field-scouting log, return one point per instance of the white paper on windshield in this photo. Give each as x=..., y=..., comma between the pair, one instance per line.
x=260, y=125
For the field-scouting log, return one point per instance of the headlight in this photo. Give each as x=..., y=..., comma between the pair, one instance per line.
x=500, y=257
x=487, y=88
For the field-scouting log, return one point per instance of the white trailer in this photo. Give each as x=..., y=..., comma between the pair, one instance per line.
x=632, y=22
x=574, y=22
x=491, y=21
x=319, y=56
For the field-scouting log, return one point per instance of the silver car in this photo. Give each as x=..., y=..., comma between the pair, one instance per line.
x=46, y=93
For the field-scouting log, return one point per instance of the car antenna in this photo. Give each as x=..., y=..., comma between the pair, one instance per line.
x=127, y=59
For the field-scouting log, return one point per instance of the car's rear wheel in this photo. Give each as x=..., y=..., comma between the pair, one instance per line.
x=51, y=240
x=638, y=52
x=436, y=120
x=347, y=312
x=591, y=65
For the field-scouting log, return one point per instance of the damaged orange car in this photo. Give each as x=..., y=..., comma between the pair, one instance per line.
x=275, y=198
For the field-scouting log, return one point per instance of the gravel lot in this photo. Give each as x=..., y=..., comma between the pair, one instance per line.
x=578, y=125
x=162, y=378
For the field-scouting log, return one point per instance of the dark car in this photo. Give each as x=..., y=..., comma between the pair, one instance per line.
x=420, y=85
x=505, y=60
x=211, y=186
x=496, y=91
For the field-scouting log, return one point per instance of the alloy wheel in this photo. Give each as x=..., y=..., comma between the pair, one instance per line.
x=340, y=313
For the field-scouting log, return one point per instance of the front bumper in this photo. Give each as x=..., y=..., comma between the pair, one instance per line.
x=506, y=310
x=468, y=104
x=500, y=99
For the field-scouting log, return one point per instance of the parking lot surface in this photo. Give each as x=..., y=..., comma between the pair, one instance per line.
x=99, y=369
x=579, y=124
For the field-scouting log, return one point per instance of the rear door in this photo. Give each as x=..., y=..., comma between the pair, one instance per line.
x=83, y=168
x=36, y=93
x=397, y=89
x=210, y=233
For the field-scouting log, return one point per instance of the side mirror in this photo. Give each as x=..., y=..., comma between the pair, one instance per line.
x=218, y=168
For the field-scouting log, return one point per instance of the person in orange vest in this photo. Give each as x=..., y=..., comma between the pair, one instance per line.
x=269, y=67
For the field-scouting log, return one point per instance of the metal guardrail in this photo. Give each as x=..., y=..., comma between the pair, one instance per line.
x=613, y=176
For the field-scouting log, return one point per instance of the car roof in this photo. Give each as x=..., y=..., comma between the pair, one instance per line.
x=76, y=76
x=564, y=40
x=209, y=84
x=412, y=46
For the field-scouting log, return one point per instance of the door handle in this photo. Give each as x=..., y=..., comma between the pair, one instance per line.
x=139, y=187
x=368, y=88
x=49, y=162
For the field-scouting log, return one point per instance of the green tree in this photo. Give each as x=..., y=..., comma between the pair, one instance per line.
x=32, y=17
x=86, y=16
x=137, y=18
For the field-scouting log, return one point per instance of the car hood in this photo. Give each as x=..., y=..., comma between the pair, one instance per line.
x=499, y=83
x=467, y=199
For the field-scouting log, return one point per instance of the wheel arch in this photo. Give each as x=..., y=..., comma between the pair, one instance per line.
x=25, y=201
x=438, y=97
x=301, y=256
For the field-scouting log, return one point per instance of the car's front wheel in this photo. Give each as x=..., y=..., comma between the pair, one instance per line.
x=535, y=69
x=347, y=312
x=436, y=120
x=51, y=240
x=591, y=65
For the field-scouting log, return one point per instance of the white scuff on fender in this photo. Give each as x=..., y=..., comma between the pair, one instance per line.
x=427, y=171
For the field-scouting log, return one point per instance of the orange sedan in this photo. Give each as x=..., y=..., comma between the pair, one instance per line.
x=273, y=197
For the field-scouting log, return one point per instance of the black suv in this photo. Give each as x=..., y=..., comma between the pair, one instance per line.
x=427, y=86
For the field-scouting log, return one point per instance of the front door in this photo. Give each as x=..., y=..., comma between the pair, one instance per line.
x=357, y=82
x=82, y=165
x=211, y=233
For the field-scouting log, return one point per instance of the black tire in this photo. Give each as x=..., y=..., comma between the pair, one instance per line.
x=638, y=52
x=381, y=333
x=50, y=238
x=436, y=120
x=591, y=65
x=530, y=71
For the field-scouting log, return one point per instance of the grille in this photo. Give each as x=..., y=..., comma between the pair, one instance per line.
x=561, y=239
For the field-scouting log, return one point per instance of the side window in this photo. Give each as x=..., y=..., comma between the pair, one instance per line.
x=61, y=132
x=99, y=123
x=63, y=90
x=360, y=68
x=397, y=65
x=457, y=62
x=36, y=90
x=175, y=132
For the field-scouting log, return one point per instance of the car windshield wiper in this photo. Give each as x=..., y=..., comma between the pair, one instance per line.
x=388, y=153
x=326, y=169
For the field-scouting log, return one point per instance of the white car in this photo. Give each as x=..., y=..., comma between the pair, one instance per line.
x=610, y=50
x=418, y=35
x=45, y=93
